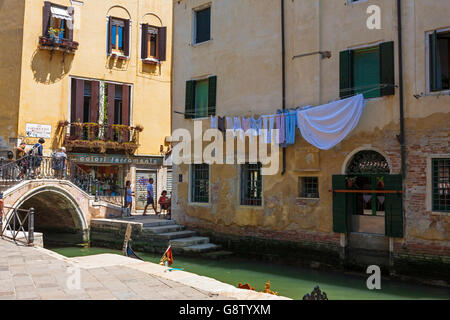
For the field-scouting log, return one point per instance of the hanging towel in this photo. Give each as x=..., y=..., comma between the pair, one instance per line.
x=291, y=125
x=270, y=129
x=327, y=125
x=281, y=126
x=229, y=123
x=238, y=126
x=259, y=126
x=213, y=122
x=246, y=124
x=221, y=124
x=254, y=126
x=266, y=127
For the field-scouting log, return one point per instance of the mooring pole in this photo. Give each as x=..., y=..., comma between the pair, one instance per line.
x=31, y=227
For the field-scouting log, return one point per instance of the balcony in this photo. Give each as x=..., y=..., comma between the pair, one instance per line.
x=57, y=44
x=98, y=138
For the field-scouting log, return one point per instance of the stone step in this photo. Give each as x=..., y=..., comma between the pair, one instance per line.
x=158, y=223
x=164, y=229
x=198, y=248
x=177, y=235
x=186, y=242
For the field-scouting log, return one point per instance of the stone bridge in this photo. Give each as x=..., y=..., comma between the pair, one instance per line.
x=60, y=207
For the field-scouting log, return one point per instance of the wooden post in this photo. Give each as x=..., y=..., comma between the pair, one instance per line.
x=31, y=227
x=127, y=238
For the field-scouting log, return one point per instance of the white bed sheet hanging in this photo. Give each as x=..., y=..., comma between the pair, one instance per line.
x=327, y=125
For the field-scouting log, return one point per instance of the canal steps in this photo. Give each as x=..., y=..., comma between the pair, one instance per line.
x=152, y=235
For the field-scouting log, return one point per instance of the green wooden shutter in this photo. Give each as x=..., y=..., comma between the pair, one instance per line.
x=345, y=73
x=212, y=93
x=340, y=216
x=434, y=72
x=387, y=72
x=189, y=103
x=394, y=206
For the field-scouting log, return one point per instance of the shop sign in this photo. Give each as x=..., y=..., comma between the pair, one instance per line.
x=38, y=130
x=115, y=159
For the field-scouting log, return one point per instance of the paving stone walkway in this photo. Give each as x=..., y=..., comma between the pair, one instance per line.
x=34, y=273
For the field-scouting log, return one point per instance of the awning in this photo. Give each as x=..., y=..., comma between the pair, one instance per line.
x=60, y=13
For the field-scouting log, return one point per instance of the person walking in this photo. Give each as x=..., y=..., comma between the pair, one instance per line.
x=129, y=198
x=150, y=197
x=21, y=162
x=59, y=163
x=36, y=154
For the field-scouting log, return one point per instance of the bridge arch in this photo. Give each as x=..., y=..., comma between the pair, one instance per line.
x=55, y=209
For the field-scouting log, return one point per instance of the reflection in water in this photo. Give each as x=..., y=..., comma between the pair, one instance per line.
x=289, y=281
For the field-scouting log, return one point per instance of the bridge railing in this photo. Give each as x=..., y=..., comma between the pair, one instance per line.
x=37, y=167
x=13, y=222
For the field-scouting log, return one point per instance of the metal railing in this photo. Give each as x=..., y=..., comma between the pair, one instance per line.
x=14, y=226
x=37, y=167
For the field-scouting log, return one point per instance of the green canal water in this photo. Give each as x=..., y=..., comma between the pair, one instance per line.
x=288, y=281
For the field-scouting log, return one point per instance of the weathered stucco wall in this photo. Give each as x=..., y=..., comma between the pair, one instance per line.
x=245, y=54
x=45, y=83
x=11, y=35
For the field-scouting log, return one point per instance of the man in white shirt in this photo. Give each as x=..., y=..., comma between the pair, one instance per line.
x=150, y=197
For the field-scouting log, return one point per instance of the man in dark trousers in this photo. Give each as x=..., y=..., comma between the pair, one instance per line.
x=150, y=197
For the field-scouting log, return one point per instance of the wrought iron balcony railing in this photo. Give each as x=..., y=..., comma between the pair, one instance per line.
x=95, y=137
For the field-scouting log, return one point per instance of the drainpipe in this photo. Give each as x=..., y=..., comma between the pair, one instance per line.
x=283, y=64
x=400, y=68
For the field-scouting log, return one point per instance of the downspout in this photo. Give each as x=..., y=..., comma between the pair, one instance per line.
x=283, y=65
x=400, y=68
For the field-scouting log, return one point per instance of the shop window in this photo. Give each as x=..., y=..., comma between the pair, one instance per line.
x=200, y=183
x=439, y=52
x=201, y=98
x=251, y=185
x=308, y=187
x=202, y=23
x=441, y=185
x=118, y=36
x=153, y=43
x=369, y=71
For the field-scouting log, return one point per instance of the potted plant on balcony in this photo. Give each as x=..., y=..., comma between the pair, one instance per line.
x=380, y=182
x=351, y=181
x=53, y=33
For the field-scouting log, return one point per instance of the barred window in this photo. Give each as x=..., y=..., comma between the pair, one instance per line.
x=308, y=187
x=251, y=185
x=441, y=184
x=200, y=183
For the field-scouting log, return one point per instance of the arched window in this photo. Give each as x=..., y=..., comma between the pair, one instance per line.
x=368, y=162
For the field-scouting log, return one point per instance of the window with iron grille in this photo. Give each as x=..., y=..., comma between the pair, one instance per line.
x=308, y=187
x=200, y=183
x=251, y=185
x=441, y=185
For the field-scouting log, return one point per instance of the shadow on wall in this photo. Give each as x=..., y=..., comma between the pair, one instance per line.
x=50, y=67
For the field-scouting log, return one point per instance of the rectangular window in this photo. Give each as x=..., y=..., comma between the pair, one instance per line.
x=200, y=183
x=87, y=101
x=202, y=25
x=369, y=71
x=439, y=53
x=251, y=185
x=57, y=22
x=153, y=43
x=201, y=98
x=117, y=35
x=441, y=185
x=308, y=187
x=118, y=105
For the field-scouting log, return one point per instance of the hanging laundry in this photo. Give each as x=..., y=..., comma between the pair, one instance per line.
x=254, y=126
x=270, y=129
x=221, y=124
x=327, y=125
x=291, y=125
x=265, y=120
x=259, y=126
x=213, y=122
x=246, y=124
x=238, y=126
x=229, y=123
x=281, y=126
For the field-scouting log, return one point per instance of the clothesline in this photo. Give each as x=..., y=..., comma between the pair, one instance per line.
x=382, y=85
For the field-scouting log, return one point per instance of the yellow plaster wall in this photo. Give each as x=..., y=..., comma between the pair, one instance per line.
x=11, y=31
x=45, y=85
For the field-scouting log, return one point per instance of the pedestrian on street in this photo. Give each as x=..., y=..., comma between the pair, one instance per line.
x=36, y=154
x=60, y=163
x=21, y=162
x=129, y=198
x=150, y=197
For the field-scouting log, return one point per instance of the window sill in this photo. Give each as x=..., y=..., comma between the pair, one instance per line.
x=243, y=206
x=118, y=56
x=201, y=43
x=445, y=92
x=440, y=213
x=199, y=204
x=152, y=61
x=64, y=45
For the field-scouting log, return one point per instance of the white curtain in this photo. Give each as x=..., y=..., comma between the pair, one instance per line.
x=327, y=125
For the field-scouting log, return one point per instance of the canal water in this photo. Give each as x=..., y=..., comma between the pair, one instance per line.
x=288, y=281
